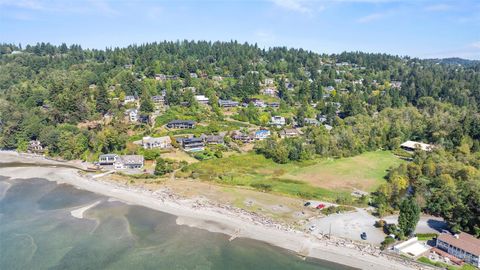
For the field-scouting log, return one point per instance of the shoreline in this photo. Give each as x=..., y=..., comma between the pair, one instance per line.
x=211, y=217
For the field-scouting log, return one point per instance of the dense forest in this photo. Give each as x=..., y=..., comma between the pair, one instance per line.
x=54, y=93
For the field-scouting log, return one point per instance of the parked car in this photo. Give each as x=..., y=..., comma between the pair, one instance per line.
x=320, y=206
x=363, y=236
x=307, y=204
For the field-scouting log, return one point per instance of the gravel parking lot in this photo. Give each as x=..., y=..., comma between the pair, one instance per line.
x=351, y=225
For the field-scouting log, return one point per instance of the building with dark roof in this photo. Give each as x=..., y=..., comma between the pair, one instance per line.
x=181, y=124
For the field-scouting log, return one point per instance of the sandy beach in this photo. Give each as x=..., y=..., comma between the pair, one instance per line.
x=205, y=215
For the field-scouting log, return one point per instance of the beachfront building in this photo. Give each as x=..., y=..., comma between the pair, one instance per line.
x=181, y=124
x=107, y=159
x=35, y=146
x=129, y=162
x=412, y=146
x=463, y=246
x=412, y=248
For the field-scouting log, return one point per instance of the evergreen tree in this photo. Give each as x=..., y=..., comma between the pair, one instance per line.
x=102, y=102
x=409, y=216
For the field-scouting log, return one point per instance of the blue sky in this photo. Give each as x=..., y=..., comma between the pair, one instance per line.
x=420, y=28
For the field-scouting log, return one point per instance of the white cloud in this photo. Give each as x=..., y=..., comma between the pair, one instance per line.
x=372, y=17
x=85, y=6
x=24, y=4
x=475, y=45
x=293, y=5
x=438, y=7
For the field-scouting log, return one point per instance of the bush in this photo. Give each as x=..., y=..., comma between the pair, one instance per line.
x=386, y=243
x=262, y=187
x=380, y=223
x=426, y=236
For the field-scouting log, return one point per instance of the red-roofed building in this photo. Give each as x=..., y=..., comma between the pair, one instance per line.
x=463, y=246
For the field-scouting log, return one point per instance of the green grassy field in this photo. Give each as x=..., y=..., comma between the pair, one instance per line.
x=305, y=179
x=364, y=172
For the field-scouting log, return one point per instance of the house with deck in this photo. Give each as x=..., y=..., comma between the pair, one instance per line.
x=241, y=136
x=193, y=144
x=227, y=103
x=181, y=124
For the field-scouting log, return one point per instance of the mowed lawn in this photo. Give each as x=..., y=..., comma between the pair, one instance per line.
x=364, y=172
x=320, y=178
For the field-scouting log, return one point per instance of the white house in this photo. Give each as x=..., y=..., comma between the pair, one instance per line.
x=268, y=81
x=132, y=115
x=277, y=121
x=156, y=142
x=202, y=99
x=269, y=91
x=129, y=99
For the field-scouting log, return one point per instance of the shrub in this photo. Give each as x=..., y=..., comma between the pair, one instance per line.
x=380, y=223
x=262, y=186
x=386, y=243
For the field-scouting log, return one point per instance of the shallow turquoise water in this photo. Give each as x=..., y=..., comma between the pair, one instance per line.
x=37, y=231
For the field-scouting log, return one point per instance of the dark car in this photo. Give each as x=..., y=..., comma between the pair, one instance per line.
x=307, y=204
x=363, y=236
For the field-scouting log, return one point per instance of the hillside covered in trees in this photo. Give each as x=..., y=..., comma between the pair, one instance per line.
x=74, y=102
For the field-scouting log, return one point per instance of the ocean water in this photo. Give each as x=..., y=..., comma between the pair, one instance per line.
x=37, y=231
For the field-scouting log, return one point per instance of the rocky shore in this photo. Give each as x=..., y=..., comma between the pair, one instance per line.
x=213, y=216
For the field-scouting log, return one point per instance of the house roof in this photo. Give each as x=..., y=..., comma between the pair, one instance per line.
x=290, y=131
x=413, y=145
x=132, y=159
x=463, y=240
x=109, y=155
x=190, y=122
x=262, y=131
x=156, y=139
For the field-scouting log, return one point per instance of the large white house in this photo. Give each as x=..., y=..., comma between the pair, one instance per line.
x=202, y=99
x=156, y=142
x=277, y=121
